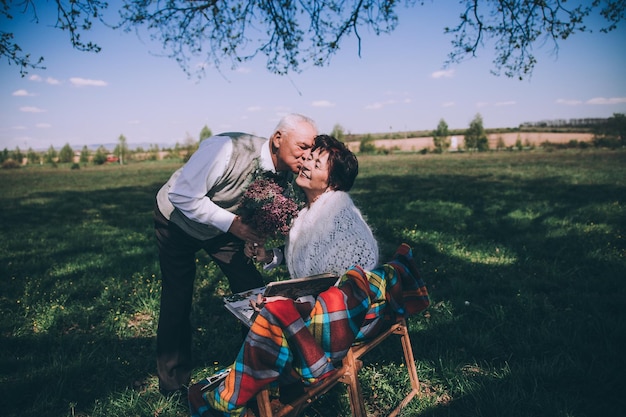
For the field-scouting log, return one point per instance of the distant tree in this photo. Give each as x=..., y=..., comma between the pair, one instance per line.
x=32, y=156
x=100, y=157
x=51, y=155
x=475, y=136
x=528, y=144
x=84, y=155
x=367, y=144
x=500, y=145
x=4, y=155
x=441, y=137
x=154, y=152
x=518, y=143
x=617, y=126
x=338, y=132
x=612, y=133
x=66, y=154
x=18, y=156
x=189, y=147
x=293, y=33
x=205, y=133
x=121, y=150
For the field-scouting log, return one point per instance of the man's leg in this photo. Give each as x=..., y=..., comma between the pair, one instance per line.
x=227, y=252
x=178, y=270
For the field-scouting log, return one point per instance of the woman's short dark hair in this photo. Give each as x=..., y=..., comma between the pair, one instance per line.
x=343, y=167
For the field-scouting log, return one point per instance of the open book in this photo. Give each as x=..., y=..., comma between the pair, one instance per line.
x=239, y=304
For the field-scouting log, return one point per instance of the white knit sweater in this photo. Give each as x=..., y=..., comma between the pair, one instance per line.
x=330, y=236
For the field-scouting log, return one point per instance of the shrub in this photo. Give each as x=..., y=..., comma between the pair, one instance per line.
x=10, y=164
x=367, y=145
x=607, y=142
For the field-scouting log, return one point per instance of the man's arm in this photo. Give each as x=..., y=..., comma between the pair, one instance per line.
x=245, y=232
x=203, y=170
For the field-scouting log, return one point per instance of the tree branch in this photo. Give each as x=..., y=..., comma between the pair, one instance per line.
x=292, y=33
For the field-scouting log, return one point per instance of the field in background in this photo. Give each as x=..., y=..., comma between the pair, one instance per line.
x=524, y=254
x=509, y=139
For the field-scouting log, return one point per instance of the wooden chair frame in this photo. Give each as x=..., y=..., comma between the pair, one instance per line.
x=348, y=375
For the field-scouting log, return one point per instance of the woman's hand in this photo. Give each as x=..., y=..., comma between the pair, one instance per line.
x=260, y=301
x=258, y=304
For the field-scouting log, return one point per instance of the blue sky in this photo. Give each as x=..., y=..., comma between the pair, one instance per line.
x=397, y=84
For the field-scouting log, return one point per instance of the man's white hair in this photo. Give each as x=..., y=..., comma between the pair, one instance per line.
x=291, y=122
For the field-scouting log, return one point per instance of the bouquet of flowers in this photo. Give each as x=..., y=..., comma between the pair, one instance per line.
x=268, y=207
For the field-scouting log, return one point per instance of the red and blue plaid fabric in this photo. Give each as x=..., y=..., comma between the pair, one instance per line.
x=286, y=344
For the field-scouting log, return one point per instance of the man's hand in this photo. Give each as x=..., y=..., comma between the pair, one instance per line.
x=245, y=232
x=256, y=251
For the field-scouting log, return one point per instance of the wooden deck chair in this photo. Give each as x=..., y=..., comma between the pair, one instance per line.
x=348, y=374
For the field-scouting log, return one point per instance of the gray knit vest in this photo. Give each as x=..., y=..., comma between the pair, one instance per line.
x=226, y=193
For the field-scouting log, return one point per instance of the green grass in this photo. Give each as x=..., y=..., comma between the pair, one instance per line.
x=523, y=252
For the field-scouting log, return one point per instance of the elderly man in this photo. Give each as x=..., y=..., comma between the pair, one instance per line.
x=195, y=210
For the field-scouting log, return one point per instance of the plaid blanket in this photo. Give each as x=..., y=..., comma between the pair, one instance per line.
x=288, y=343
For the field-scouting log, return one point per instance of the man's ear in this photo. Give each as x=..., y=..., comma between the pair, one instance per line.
x=276, y=139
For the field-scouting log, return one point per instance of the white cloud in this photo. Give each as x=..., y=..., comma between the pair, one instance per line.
x=568, y=102
x=254, y=108
x=322, y=103
x=30, y=109
x=134, y=122
x=35, y=78
x=480, y=104
x=85, y=82
x=448, y=104
x=374, y=106
x=505, y=103
x=19, y=128
x=21, y=93
x=396, y=93
x=43, y=125
x=443, y=74
x=243, y=70
x=603, y=100
x=52, y=81
x=379, y=105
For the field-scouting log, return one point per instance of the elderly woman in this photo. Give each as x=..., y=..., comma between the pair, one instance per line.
x=291, y=341
x=329, y=234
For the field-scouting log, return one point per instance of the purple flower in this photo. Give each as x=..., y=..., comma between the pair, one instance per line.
x=265, y=207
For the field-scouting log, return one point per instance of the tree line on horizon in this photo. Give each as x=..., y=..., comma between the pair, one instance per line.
x=611, y=134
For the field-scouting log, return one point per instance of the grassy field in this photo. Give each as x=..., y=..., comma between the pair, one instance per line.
x=524, y=254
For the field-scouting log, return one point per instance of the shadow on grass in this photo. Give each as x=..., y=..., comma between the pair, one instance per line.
x=539, y=260
x=528, y=289
x=80, y=294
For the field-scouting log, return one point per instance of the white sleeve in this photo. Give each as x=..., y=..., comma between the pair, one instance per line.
x=203, y=170
x=277, y=259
